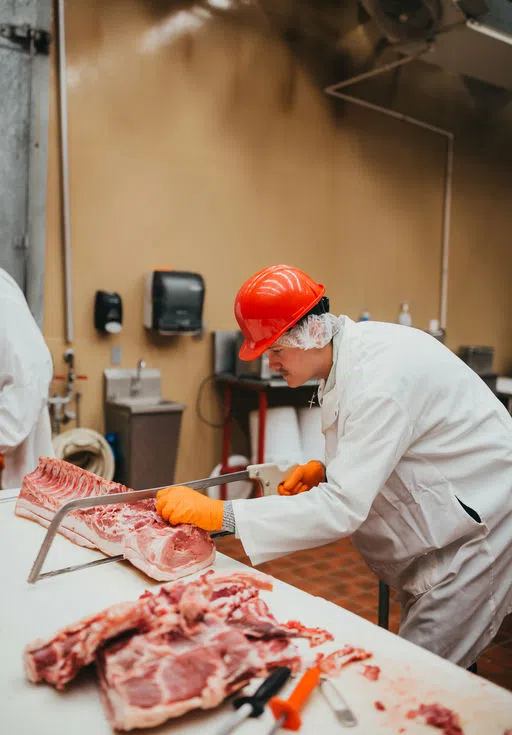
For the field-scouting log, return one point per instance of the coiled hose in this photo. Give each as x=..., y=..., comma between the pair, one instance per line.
x=87, y=449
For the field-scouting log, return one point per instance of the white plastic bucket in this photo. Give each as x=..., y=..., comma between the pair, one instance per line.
x=312, y=439
x=282, y=436
x=234, y=490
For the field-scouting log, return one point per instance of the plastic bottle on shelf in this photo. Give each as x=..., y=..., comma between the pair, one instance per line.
x=404, y=317
x=435, y=330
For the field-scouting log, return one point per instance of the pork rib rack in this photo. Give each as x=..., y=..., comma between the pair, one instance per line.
x=134, y=530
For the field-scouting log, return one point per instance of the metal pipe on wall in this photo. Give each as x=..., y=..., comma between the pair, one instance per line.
x=333, y=90
x=63, y=117
x=446, y=231
x=37, y=168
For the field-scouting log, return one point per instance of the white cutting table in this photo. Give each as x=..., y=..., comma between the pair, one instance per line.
x=410, y=675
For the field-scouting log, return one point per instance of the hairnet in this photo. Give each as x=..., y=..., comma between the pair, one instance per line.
x=313, y=332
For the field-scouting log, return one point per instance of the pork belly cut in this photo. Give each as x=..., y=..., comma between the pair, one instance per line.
x=135, y=530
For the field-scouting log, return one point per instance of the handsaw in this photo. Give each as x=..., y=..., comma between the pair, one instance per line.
x=267, y=475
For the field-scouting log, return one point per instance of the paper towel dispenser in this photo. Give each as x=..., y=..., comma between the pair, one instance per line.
x=173, y=302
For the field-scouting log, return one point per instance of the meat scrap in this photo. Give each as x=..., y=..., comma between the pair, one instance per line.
x=134, y=530
x=438, y=716
x=371, y=673
x=184, y=647
x=332, y=664
x=317, y=636
x=379, y=706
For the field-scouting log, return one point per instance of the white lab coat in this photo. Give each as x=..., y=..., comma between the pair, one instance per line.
x=25, y=375
x=410, y=431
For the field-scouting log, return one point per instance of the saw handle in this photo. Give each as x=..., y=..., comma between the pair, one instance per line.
x=291, y=707
x=269, y=475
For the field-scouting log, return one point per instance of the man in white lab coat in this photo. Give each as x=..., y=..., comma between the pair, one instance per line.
x=25, y=375
x=418, y=465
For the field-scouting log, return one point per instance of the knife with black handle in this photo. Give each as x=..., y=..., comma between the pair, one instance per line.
x=254, y=704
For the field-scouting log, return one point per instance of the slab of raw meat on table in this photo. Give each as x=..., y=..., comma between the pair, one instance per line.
x=184, y=647
x=134, y=530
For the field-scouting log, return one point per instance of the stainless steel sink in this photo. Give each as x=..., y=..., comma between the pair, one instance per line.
x=147, y=405
x=133, y=384
x=145, y=426
x=137, y=390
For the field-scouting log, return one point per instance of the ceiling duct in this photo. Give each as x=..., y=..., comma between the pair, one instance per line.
x=472, y=38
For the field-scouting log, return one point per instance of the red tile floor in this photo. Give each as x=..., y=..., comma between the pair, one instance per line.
x=338, y=573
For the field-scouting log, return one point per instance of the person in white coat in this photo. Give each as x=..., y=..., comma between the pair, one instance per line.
x=25, y=375
x=418, y=465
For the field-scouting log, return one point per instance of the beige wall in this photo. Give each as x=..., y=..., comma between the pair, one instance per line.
x=198, y=154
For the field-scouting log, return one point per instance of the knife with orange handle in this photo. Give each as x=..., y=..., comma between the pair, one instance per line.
x=287, y=711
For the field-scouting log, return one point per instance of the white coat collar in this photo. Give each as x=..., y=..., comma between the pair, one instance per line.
x=335, y=370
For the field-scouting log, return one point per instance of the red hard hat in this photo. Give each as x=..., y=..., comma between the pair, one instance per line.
x=271, y=302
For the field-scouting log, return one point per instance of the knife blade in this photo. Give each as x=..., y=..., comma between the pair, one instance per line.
x=254, y=704
x=337, y=703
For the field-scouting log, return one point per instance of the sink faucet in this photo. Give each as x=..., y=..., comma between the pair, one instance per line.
x=135, y=382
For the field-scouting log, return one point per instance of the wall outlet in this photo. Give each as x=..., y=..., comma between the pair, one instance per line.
x=115, y=355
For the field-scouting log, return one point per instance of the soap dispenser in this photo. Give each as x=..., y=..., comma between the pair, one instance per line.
x=108, y=312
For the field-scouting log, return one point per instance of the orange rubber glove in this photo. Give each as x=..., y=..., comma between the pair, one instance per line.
x=303, y=478
x=181, y=504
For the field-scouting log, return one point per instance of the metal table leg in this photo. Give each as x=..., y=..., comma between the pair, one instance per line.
x=262, y=425
x=383, y=605
x=226, y=438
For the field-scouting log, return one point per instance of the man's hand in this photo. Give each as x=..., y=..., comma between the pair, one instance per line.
x=181, y=504
x=303, y=478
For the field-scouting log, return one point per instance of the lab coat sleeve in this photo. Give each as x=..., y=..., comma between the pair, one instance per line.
x=375, y=436
x=25, y=374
